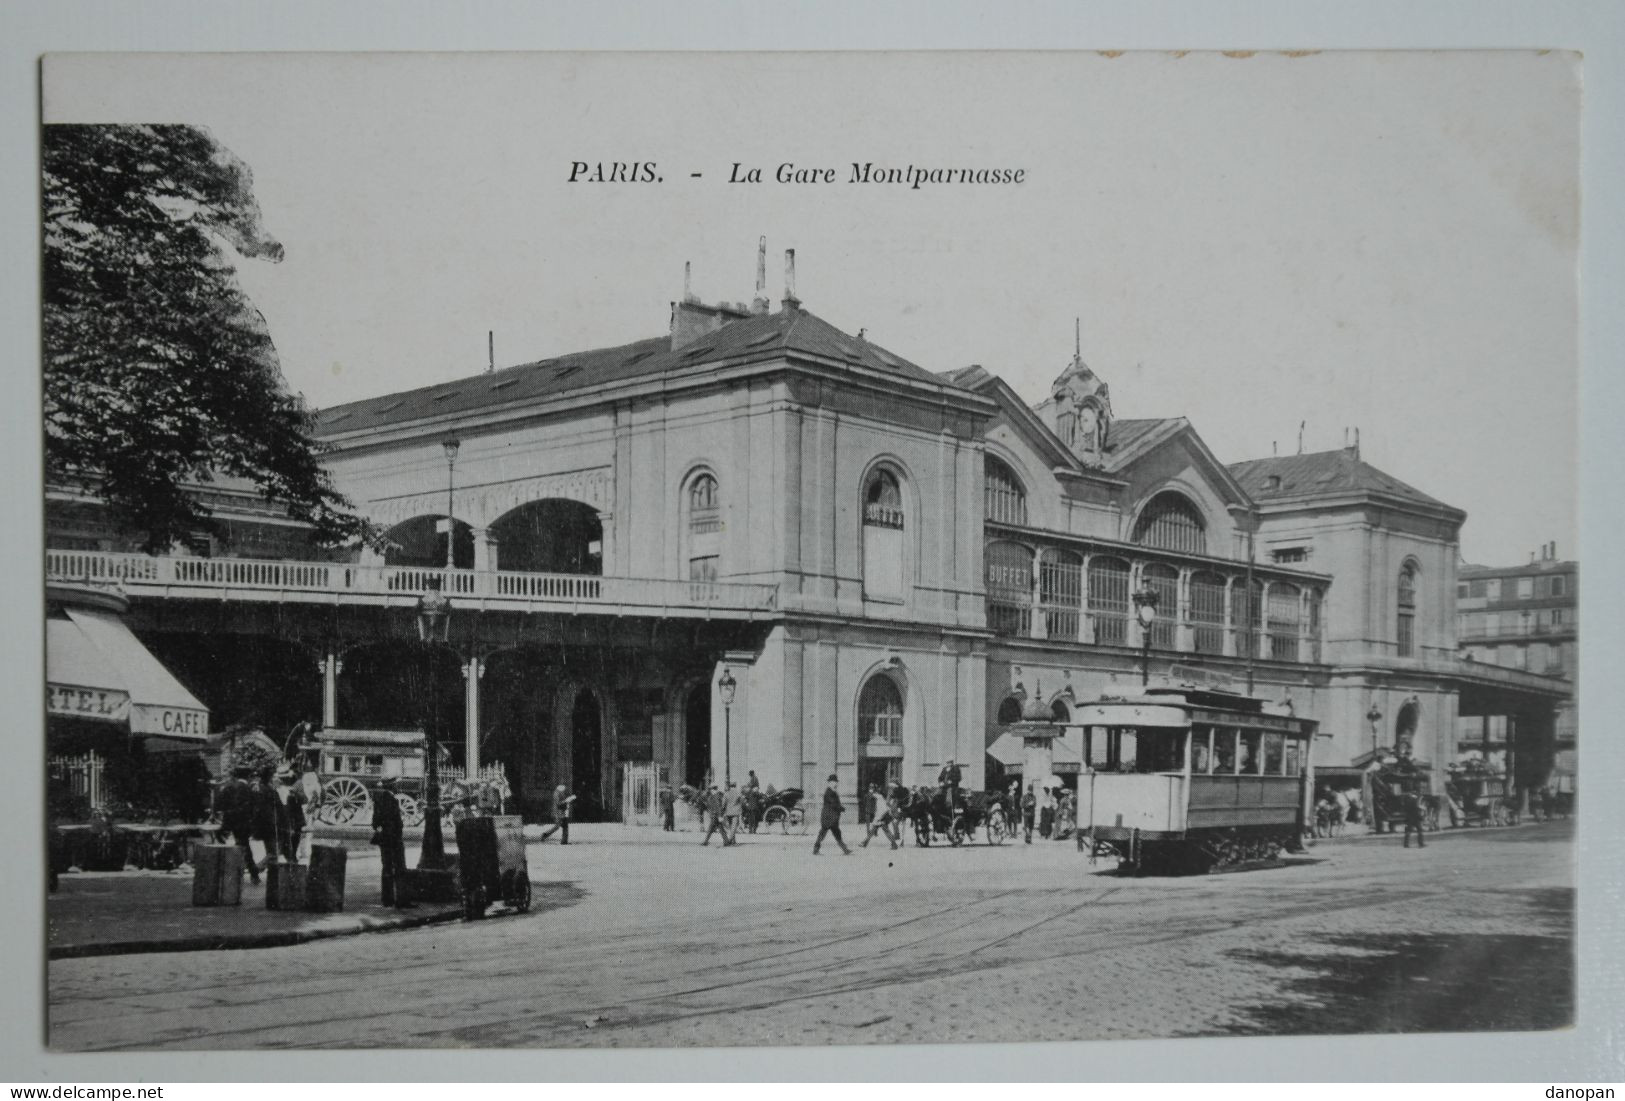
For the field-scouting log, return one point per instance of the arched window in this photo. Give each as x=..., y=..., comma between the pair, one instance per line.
x=1284, y=620
x=1207, y=612
x=883, y=520
x=1009, y=589
x=1108, y=600
x=880, y=712
x=1004, y=499
x=1406, y=633
x=1060, y=592
x=1059, y=711
x=1164, y=581
x=1171, y=522
x=704, y=529
x=1009, y=711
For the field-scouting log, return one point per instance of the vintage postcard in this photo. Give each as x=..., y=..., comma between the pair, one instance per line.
x=663, y=550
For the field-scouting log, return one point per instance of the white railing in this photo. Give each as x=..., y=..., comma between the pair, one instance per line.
x=138, y=570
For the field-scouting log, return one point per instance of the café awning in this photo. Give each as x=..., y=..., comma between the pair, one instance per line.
x=1067, y=754
x=96, y=669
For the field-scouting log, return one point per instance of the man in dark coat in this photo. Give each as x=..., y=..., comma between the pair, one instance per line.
x=264, y=829
x=389, y=834
x=948, y=781
x=668, y=810
x=829, y=819
x=290, y=823
x=234, y=803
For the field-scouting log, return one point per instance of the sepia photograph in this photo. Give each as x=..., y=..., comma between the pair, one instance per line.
x=579, y=550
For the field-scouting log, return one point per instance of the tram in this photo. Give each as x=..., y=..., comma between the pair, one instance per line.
x=1189, y=779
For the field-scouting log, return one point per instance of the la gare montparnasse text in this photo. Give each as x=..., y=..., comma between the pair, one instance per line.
x=912, y=176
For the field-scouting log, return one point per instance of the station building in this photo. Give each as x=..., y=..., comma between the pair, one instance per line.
x=887, y=563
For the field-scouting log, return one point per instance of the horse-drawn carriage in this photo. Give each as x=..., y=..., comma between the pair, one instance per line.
x=1478, y=796
x=784, y=809
x=343, y=768
x=1388, y=788
x=933, y=818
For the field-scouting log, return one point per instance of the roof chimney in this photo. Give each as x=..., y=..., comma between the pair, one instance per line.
x=688, y=293
x=760, y=303
x=791, y=302
x=1356, y=441
x=490, y=350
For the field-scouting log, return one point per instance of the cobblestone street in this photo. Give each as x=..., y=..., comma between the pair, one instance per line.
x=643, y=939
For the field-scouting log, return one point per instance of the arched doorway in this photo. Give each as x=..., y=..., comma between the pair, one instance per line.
x=697, y=735
x=587, y=757
x=550, y=536
x=421, y=542
x=880, y=737
x=1405, y=726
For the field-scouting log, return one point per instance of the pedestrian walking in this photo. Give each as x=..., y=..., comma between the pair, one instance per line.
x=713, y=814
x=234, y=803
x=881, y=819
x=668, y=810
x=1412, y=803
x=290, y=826
x=829, y=818
x=264, y=827
x=562, y=799
x=1029, y=808
x=389, y=834
x=733, y=807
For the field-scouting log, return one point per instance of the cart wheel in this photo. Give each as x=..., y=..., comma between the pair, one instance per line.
x=995, y=829
x=521, y=895
x=956, y=833
x=795, y=821
x=346, y=799
x=922, y=833
x=776, y=816
x=474, y=904
x=411, y=809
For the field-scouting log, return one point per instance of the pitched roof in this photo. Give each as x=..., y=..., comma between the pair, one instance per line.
x=1124, y=434
x=1321, y=473
x=760, y=337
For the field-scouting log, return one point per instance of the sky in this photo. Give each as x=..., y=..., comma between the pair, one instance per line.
x=1257, y=243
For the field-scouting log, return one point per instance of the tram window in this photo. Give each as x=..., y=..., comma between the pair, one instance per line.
x=375, y=765
x=1128, y=746
x=1161, y=751
x=1247, y=759
x=1094, y=748
x=1293, y=767
x=1201, y=748
x=1224, y=752
x=1274, y=747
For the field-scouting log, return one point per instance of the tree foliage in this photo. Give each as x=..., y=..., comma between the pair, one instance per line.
x=159, y=371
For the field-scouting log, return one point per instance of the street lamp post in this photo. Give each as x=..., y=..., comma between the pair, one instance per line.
x=1373, y=717
x=726, y=686
x=1145, y=610
x=451, y=445
x=434, y=623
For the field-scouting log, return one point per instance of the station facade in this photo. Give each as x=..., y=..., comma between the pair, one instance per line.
x=889, y=563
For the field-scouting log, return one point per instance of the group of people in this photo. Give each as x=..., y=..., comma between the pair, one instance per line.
x=267, y=806
x=728, y=810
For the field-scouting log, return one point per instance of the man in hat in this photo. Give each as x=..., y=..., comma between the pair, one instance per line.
x=234, y=803
x=290, y=824
x=561, y=815
x=714, y=804
x=880, y=818
x=948, y=781
x=389, y=834
x=733, y=809
x=829, y=818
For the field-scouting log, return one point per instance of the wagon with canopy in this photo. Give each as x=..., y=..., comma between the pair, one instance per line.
x=343, y=769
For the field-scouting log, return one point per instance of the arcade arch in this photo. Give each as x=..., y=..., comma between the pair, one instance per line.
x=552, y=535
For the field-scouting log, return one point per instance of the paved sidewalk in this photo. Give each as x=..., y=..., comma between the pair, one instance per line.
x=116, y=913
